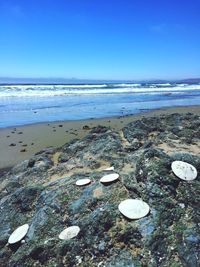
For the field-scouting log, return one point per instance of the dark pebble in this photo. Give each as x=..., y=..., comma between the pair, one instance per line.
x=86, y=127
x=12, y=144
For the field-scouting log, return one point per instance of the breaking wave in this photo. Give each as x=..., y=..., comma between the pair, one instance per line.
x=59, y=90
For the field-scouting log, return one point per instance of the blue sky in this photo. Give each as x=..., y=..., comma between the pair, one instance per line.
x=135, y=39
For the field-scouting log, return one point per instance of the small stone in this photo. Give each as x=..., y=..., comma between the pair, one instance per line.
x=134, y=208
x=18, y=234
x=12, y=144
x=69, y=233
x=184, y=170
x=82, y=182
x=86, y=127
x=109, y=178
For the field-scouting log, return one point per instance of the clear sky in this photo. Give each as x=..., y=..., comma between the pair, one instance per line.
x=107, y=39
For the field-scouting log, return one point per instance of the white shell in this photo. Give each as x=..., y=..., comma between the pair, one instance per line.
x=18, y=234
x=134, y=208
x=109, y=169
x=69, y=233
x=184, y=170
x=82, y=182
x=109, y=178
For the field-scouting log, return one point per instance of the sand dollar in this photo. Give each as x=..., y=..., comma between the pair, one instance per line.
x=109, y=169
x=184, y=170
x=109, y=178
x=82, y=182
x=18, y=234
x=69, y=233
x=134, y=208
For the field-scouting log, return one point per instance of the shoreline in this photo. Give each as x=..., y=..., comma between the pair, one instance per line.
x=19, y=143
x=143, y=112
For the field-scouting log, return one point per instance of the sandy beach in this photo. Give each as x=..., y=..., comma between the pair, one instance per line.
x=20, y=143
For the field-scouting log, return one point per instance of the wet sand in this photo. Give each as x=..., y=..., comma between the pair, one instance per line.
x=20, y=143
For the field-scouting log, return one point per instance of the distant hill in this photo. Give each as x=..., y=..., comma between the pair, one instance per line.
x=13, y=80
x=58, y=80
x=194, y=80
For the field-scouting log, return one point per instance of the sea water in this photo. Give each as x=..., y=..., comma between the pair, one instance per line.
x=27, y=104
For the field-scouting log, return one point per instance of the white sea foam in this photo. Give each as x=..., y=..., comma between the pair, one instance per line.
x=183, y=84
x=44, y=86
x=59, y=90
x=161, y=84
x=127, y=85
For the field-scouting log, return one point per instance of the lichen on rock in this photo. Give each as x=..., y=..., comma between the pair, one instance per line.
x=43, y=194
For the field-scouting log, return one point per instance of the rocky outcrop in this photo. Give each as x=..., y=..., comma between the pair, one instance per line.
x=42, y=192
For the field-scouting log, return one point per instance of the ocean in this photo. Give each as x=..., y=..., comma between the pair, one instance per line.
x=28, y=104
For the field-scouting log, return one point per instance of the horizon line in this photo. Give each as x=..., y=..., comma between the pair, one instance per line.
x=8, y=79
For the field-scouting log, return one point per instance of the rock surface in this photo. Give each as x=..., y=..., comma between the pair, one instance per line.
x=42, y=192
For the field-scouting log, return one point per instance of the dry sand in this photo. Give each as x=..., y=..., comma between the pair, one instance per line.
x=20, y=143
